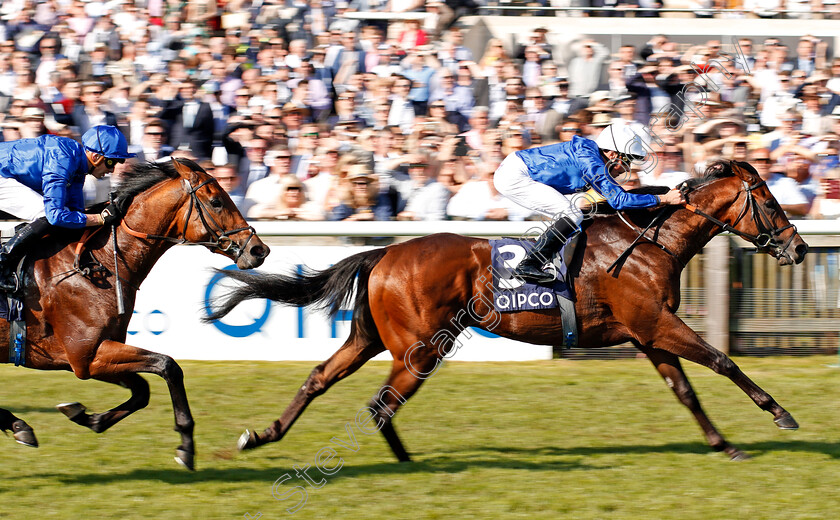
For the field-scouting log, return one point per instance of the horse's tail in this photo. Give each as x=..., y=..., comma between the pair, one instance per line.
x=330, y=289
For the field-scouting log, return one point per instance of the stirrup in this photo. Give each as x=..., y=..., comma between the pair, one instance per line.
x=10, y=283
x=535, y=274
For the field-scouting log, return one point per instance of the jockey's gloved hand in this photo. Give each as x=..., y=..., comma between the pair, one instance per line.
x=122, y=204
x=110, y=215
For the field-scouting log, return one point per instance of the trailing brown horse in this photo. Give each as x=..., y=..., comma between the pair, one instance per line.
x=72, y=321
x=414, y=298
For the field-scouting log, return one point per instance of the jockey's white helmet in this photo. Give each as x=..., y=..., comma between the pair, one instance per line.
x=625, y=138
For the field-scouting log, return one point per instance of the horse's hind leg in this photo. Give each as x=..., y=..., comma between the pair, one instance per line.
x=99, y=422
x=21, y=431
x=671, y=370
x=401, y=384
x=352, y=355
x=678, y=338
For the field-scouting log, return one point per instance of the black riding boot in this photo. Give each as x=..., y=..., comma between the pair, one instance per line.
x=12, y=250
x=554, y=238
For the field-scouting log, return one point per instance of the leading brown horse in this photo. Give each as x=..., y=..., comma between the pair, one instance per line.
x=72, y=321
x=419, y=295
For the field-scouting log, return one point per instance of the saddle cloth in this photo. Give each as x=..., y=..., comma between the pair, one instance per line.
x=512, y=294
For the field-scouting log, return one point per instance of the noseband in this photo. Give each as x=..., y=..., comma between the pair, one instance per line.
x=220, y=238
x=768, y=237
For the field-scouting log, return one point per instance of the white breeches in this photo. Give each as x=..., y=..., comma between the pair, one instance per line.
x=20, y=201
x=512, y=180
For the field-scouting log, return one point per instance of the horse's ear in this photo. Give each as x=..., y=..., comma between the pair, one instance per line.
x=744, y=169
x=184, y=170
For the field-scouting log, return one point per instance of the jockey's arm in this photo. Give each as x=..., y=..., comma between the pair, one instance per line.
x=56, y=200
x=674, y=196
x=76, y=196
x=595, y=174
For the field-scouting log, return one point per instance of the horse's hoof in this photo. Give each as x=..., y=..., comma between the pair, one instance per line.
x=185, y=458
x=738, y=455
x=24, y=434
x=786, y=422
x=247, y=441
x=72, y=410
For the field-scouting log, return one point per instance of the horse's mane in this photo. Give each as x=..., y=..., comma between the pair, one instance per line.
x=719, y=169
x=140, y=177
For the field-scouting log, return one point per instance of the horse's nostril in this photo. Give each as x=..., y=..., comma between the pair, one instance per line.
x=259, y=252
x=801, y=249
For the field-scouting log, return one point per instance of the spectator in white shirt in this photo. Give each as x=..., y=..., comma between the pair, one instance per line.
x=266, y=191
x=401, y=112
x=428, y=197
x=585, y=69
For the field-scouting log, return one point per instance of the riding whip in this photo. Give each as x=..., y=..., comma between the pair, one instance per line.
x=118, y=281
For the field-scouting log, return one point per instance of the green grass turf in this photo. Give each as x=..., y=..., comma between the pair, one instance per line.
x=560, y=439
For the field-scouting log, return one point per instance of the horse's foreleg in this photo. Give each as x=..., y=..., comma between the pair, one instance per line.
x=114, y=360
x=678, y=338
x=671, y=370
x=99, y=422
x=21, y=431
x=352, y=355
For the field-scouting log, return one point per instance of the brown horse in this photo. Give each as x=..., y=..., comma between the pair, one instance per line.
x=418, y=295
x=72, y=321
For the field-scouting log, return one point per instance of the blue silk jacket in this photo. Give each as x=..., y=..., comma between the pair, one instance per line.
x=576, y=165
x=53, y=166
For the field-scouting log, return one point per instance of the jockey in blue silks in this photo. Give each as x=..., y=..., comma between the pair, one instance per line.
x=543, y=178
x=42, y=180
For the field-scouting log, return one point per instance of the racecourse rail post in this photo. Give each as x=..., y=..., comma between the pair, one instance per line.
x=716, y=273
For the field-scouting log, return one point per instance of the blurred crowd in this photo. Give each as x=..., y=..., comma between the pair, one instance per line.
x=791, y=9
x=302, y=112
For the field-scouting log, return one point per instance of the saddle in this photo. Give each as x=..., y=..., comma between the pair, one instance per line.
x=12, y=293
x=511, y=294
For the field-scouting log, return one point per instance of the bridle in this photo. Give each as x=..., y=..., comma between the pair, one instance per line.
x=220, y=238
x=768, y=237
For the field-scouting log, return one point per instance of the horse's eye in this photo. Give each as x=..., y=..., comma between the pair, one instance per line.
x=770, y=204
x=216, y=203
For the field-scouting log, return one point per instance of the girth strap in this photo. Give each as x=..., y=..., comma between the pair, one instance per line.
x=17, y=342
x=568, y=318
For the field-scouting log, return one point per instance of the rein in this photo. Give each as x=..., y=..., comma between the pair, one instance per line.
x=642, y=235
x=767, y=237
x=221, y=239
